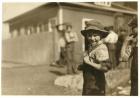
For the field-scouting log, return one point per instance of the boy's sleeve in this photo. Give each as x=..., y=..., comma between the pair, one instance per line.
x=102, y=53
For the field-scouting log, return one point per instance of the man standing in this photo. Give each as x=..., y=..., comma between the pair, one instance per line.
x=71, y=38
x=133, y=52
x=134, y=66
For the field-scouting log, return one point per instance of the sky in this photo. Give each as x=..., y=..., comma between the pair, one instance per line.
x=10, y=10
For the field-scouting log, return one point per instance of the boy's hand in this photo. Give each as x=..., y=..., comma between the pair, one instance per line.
x=105, y=66
x=104, y=69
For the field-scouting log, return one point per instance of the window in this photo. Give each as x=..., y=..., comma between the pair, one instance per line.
x=14, y=33
x=22, y=31
x=46, y=26
x=51, y=24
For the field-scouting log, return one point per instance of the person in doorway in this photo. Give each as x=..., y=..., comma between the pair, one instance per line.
x=71, y=39
x=96, y=60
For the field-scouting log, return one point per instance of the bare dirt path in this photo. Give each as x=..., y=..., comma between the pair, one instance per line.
x=33, y=80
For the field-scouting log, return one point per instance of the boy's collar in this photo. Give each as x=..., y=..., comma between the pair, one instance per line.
x=98, y=44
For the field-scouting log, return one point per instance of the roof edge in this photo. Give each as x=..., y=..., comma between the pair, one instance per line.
x=8, y=20
x=77, y=4
x=104, y=8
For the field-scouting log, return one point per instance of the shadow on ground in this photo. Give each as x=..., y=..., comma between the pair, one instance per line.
x=57, y=72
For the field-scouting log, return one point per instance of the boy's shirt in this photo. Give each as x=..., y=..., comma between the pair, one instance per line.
x=99, y=54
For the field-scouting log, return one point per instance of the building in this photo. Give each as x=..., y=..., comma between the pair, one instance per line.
x=42, y=20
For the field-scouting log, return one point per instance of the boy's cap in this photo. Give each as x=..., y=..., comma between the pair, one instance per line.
x=95, y=27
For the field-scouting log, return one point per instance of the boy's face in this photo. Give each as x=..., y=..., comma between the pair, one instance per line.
x=93, y=38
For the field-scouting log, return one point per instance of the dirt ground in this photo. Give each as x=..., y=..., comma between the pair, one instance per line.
x=33, y=80
x=36, y=80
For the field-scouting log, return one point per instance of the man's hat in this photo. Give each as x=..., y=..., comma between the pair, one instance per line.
x=133, y=22
x=63, y=26
x=94, y=26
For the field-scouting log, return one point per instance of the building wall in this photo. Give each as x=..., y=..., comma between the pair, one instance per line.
x=75, y=16
x=33, y=49
x=29, y=50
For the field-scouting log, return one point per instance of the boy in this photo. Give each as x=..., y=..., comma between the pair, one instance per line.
x=96, y=60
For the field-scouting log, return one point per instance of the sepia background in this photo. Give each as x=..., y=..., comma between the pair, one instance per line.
x=30, y=44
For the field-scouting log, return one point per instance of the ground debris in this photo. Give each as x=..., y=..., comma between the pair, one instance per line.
x=114, y=78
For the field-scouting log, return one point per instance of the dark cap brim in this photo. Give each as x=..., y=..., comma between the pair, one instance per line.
x=103, y=33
